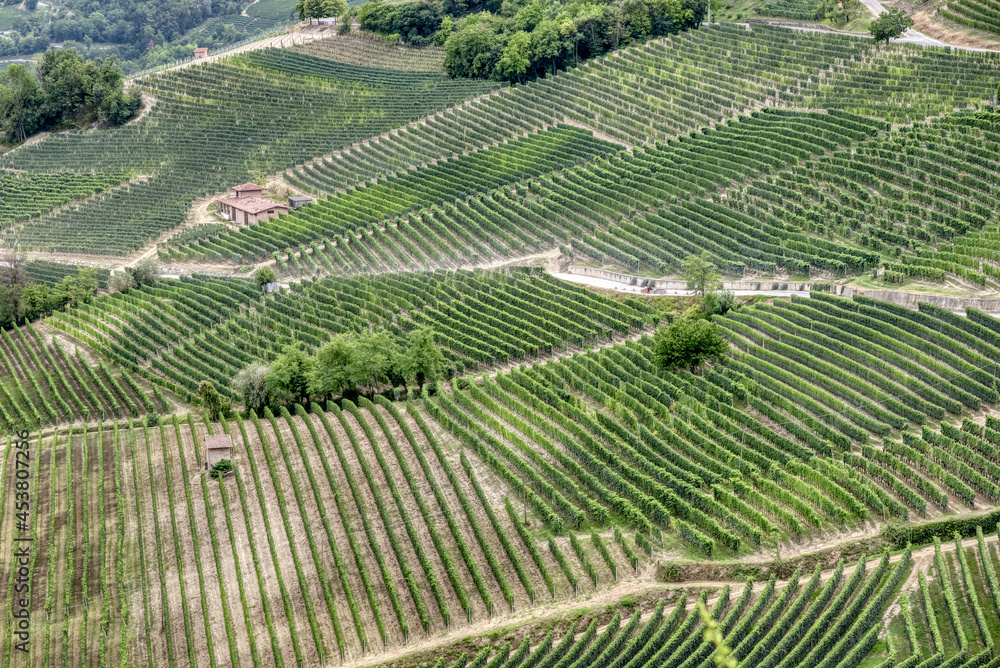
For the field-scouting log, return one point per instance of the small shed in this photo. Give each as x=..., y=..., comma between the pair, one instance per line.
x=296, y=201
x=218, y=448
x=200, y=52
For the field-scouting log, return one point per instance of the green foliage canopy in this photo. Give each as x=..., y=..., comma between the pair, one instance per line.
x=889, y=25
x=689, y=342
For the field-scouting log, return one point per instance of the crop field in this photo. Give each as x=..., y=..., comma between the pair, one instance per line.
x=978, y=14
x=480, y=318
x=24, y=196
x=45, y=380
x=272, y=9
x=50, y=273
x=530, y=478
x=578, y=206
x=342, y=532
x=206, y=131
x=363, y=50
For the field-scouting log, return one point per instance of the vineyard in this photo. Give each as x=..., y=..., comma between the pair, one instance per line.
x=978, y=14
x=213, y=327
x=596, y=208
x=207, y=131
x=370, y=51
x=533, y=476
x=340, y=533
x=46, y=380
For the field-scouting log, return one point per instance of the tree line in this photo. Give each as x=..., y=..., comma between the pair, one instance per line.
x=133, y=27
x=516, y=40
x=22, y=300
x=348, y=365
x=68, y=92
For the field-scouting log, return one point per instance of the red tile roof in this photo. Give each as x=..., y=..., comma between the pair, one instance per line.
x=252, y=204
x=248, y=187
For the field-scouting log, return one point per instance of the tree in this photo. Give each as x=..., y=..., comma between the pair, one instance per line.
x=212, y=400
x=889, y=25
x=19, y=100
x=330, y=372
x=353, y=362
x=319, y=9
x=263, y=276
x=120, y=281
x=372, y=363
x=719, y=303
x=250, y=383
x=421, y=360
x=688, y=343
x=145, y=272
x=516, y=57
x=14, y=280
x=289, y=375
x=701, y=274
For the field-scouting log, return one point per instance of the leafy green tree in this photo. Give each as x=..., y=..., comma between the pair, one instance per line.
x=288, y=378
x=516, y=58
x=352, y=363
x=377, y=16
x=372, y=364
x=250, y=383
x=330, y=374
x=474, y=50
x=72, y=290
x=210, y=398
x=689, y=342
x=719, y=303
x=120, y=281
x=889, y=25
x=19, y=101
x=263, y=276
x=421, y=360
x=547, y=44
x=145, y=272
x=319, y=9
x=701, y=274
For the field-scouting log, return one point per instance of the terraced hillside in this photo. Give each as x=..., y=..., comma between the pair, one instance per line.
x=597, y=208
x=828, y=413
x=847, y=178
x=550, y=495
x=213, y=327
x=372, y=51
x=210, y=127
x=978, y=14
x=341, y=532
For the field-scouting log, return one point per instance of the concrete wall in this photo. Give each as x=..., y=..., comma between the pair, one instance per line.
x=664, y=284
x=911, y=299
x=907, y=299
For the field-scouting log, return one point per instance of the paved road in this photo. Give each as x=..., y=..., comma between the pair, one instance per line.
x=911, y=35
x=622, y=287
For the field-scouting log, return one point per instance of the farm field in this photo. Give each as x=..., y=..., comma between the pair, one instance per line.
x=205, y=129
x=369, y=51
x=387, y=536
x=434, y=451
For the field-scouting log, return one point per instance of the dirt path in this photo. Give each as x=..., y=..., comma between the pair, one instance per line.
x=296, y=35
x=244, y=12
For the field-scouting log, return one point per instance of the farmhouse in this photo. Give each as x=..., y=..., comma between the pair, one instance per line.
x=200, y=52
x=247, y=207
x=217, y=448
